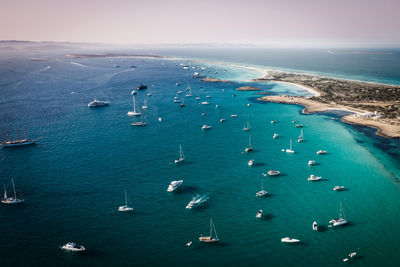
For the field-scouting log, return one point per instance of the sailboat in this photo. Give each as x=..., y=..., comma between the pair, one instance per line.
x=19, y=141
x=125, y=208
x=182, y=104
x=301, y=138
x=250, y=148
x=210, y=238
x=181, y=155
x=134, y=112
x=341, y=220
x=262, y=192
x=145, y=105
x=189, y=91
x=11, y=200
x=139, y=123
x=290, y=150
x=246, y=127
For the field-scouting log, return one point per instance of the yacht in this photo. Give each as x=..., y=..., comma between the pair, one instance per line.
x=196, y=201
x=205, y=103
x=251, y=162
x=338, y=188
x=246, y=127
x=98, y=103
x=177, y=101
x=11, y=200
x=290, y=150
x=314, y=178
x=273, y=173
x=275, y=136
x=273, y=121
x=203, y=114
x=174, y=185
x=206, y=127
x=321, y=152
x=234, y=116
x=179, y=92
x=181, y=155
x=299, y=126
x=250, y=148
x=311, y=162
x=289, y=240
x=222, y=120
x=134, y=112
x=262, y=192
x=19, y=142
x=210, y=238
x=197, y=97
x=141, y=87
x=73, y=247
x=341, y=220
x=315, y=226
x=125, y=207
x=259, y=214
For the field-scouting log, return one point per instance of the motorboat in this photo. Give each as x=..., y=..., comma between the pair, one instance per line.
x=206, y=127
x=196, y=201
x=98, y=103
x=177, y=101
x=248, y=104
x=273, y=121
x=259, y=214
x=159, y=119
x=205, y=103
x=73, y=247
x=222, y=120
x=174, y=185
x=251, y=162
x=275, y=135
x=315, y=226
x=321, y=152
x=234, y=116
x=289, y=240
x=299, y=126
x=314, y=178
x=203, y=114
x=273, y=173
x=188, y=244
x=210, y=238
x=311, y=162
x=11, y=200
x=338, y=188
x=125, y=207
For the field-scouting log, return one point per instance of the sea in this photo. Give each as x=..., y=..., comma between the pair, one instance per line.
x=74, y=179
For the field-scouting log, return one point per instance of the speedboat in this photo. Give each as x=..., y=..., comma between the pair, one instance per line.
x=73, y=247
x=174, y=185
x=248, y=149
x=203, y=114
x=207, y=96
x=289, y=240
x=314, y=178
x=98, y=103
x=248, y=104
x=261, y=193
x=251, y=162
x=222, y=120
x=273, y=121
x=159, y=119
x=177, y=101
x=197, y=97
x=338, y=188
x=315, y=226
x=196, y=201
x=205, y=103
x=275, y=135
x=179, y=92
x=188, y=244
x=234, y=116
x=311, y=162
x=205, y=127
x=259, y=214
x=273, y=173
x=321, y=152
x=299, y=126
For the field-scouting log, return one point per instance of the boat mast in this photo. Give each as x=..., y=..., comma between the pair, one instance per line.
x=210, y=228
x=134, y=103
x=250, y=140
x=15, y=193
x=341, y=215
x=5, y=192
x=290, y=144
x=126, y=200
x=26, y=135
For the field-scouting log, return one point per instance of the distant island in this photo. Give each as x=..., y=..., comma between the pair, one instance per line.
x=213, y=80
x=248, y=88
x=109, y=55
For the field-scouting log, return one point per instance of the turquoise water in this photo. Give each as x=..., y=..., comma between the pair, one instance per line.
x=74, y=179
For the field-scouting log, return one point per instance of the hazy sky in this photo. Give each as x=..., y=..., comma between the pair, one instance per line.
x=276, y=22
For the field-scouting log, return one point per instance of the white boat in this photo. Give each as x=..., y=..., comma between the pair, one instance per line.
x=338, y=188
x=216, y=106
x=289, y=240
x=262, y=192
x=174, y=185
x=177, y=101
x=273, y=121
x=234, y=116
x=275, y=135
x=251, y=162
x=11, y=200
x=314, y=178
x=181, y=155
x=341, y=220
x=134, y=112
x=98, y=103
x=145, y=105
x=73, y=247
x=207, y=96
x=273, y=173
x=125, y=207
x=205, y=103
x=179, y=92
x=299, y=126
x=205, y=127
x=188, y=244
x=149, y=94
x=222, y=120
x=311, y=162
x=321, y=152
x=196, y=201
x=189, y=91
x=159, y=119
x=133, y=92
x=290, y=150
x=197, y=97
x=250, y=147
x=210, y=238
x=301, y=137
x=246, y=127
x=315, y=226
x=139, y=123
x=248, y=104
x=293, y=121
x=182, y=104
x=259, y=214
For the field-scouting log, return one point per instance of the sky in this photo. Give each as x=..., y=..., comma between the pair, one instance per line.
x=281, y=23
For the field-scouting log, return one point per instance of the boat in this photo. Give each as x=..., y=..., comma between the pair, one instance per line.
x=197, y=97
x=248, y=104
x=145, y=105
x=273, y=173
x=181, y=155
x=259, y=214
x=290, y=150
x=321, y=152
x=133, y=92
x=205, y=103
x=311, y=162
x=178, y=84
x=301, y=137
x=273, y=121
x=149, y=94
x=159, y=119
x=98, y=103
x=315, y=226
x=182, y=104
x=73, y=247
x=174, y=185
x=234, y=116
x=216, y=106
x=19, y=142
x=246, y=127
x=299, y=126
x=196, y=201
x=338, y=188
x=222, y=120
x=250, y=148
x=179, y=92
x=139, y=123
x=134, y=112
x=251, y=162
x=210, y=238
x=207, y=96
x=203, y=114
x=341, y=220
x=176, y=101
x=293, y=121
x=351, y=255
x=206, y=127
x=188, y=244
x=314, y=178
x=141, y=87
x=289, y=240
x=262, y=192
x=11, y=200
x=189, y=91
x=275, y=135
x=125, y=207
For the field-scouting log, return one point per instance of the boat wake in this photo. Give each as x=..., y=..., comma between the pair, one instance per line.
x=79, y=64
x=197, y=201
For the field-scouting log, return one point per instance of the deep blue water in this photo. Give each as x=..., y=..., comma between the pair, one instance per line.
x=74, y=179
